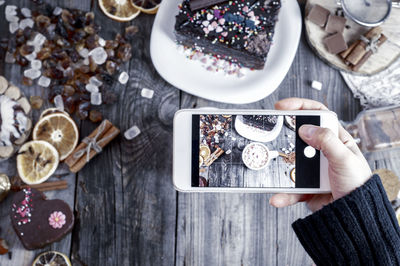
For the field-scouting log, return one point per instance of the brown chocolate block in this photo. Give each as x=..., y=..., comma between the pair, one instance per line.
x=335, y=43
x=318, y=15
x=335, y=24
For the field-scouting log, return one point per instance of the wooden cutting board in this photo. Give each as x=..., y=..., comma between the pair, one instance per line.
x=379, y=61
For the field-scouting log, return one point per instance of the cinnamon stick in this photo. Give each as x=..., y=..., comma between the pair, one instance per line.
x=108, y=137
x=71, y=160
x=46, y=186
x=364, y=59
x=345, y=53
x=357, y=53
x=214, y=156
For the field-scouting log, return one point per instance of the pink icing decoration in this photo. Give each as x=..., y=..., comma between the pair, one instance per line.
x=214, y=24
x=245, y=9
x=206, y=30
x=224, y=34
x=251, y=14
x=57, y=219
x=221, y=21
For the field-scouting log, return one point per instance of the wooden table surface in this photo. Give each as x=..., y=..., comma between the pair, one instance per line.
x=127, y=211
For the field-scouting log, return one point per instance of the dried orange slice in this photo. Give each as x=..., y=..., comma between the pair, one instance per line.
x=36, y=161
x=147, y=6
x=119, y=10
x=52, y=258
x=50, y=111
x=60, y=131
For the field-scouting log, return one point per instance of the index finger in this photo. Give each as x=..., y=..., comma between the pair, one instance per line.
x=299, y=104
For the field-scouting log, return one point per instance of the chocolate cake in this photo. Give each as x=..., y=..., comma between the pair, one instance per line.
x=264, y=122
x=240, y=31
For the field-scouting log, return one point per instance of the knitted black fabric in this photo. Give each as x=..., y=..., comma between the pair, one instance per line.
x=358, y=229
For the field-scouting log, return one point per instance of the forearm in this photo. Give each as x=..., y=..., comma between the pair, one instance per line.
x=358, y=229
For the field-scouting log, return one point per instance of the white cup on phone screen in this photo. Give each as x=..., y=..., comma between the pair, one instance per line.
x=257, y=156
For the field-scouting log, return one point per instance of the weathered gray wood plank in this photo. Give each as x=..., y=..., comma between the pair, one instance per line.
x=127, y=216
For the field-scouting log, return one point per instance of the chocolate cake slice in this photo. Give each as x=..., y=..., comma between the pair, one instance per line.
x=264, y=122
x=240, y=31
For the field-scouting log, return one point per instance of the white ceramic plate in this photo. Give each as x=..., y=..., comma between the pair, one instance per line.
x=190, y=76
x=257, y=134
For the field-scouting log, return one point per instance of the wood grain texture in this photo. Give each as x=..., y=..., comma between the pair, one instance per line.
x=127, y=212
x=127, y=216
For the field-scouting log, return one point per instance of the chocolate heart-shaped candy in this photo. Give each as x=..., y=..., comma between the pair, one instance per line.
x=37, y=221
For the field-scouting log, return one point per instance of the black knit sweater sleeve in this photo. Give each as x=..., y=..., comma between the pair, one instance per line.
x=358, y=229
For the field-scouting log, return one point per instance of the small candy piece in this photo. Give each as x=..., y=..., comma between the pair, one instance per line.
x=316, y=85
x=132, y=133
x=91, y=88
x=11, y=13
x=59, y=102
x=335, y=24
x=95, y=98
x=44, y=81
x=57, y=11
x=102, y=42
x=36, y=64
x=123, y=78
x=95, y=116
x=28, y=22
x=98, y=55
x=84, y=53
x=335, y=43
x=31, y=56
x=26, y=12
x=36, y=102
x=147, y=93
x=318, y=15
x=39, y=40
x=93, y=80
x=13, y=27
x=32, y=73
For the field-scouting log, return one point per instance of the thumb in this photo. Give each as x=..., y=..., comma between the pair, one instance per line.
x=325, y=140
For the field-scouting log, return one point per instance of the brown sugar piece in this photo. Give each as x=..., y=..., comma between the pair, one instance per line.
x=335, y=24
x=335, y=43
x=390, y=182
x=318, y=15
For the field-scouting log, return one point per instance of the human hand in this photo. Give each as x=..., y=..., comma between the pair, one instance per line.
x=347, y=168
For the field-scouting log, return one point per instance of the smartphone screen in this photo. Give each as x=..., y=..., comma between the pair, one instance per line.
x=253, y=151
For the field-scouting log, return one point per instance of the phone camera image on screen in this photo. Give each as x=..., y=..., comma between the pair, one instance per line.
x=253, y=151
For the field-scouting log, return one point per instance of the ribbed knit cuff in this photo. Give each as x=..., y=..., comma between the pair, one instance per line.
x=358, y=229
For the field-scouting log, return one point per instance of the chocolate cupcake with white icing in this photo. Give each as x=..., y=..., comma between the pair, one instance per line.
x=15, y=121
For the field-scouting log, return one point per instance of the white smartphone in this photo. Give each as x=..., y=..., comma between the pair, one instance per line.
x=248, y=151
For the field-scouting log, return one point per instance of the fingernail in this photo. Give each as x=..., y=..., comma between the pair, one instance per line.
x=307, y=131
